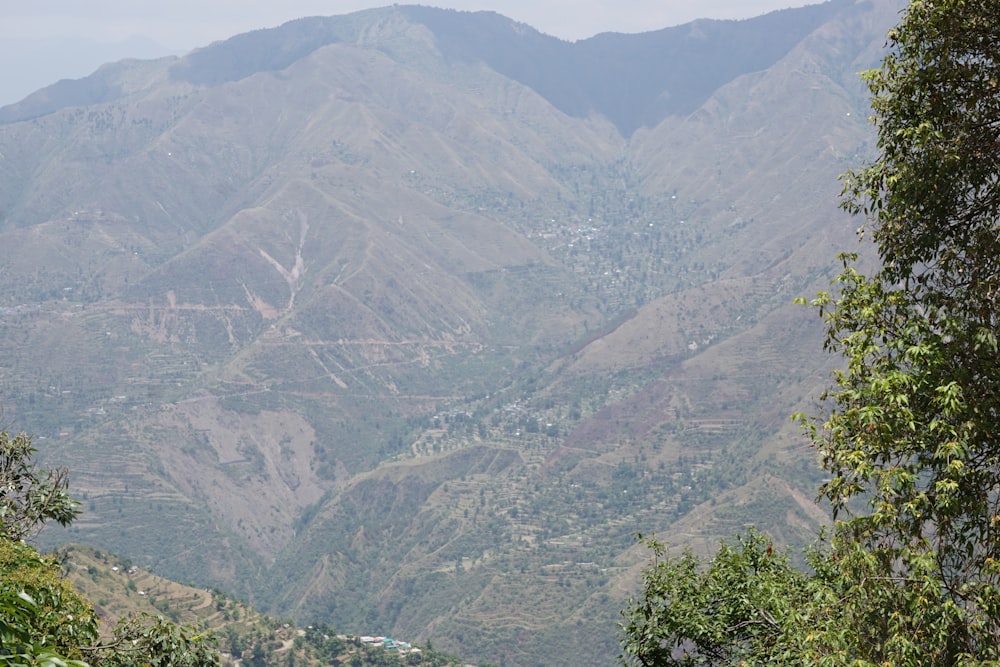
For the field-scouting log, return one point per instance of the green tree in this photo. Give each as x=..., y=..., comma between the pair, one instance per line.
x=30, y=496
x=152, y=641
x=911, y=432
x=911, y=572
x=43, y=620
x=61, y=617
x=737, y=609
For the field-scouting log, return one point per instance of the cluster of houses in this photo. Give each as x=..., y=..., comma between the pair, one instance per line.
x=390, y=644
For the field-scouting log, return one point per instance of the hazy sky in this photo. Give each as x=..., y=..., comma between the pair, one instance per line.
x=42, y=41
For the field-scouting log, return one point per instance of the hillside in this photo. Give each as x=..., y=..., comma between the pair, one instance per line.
x=369, y=320
x=242, y=635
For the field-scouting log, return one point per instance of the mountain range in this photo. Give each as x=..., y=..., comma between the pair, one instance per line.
x=407, y=321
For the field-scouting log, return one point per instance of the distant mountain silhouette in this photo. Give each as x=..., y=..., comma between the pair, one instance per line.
x=634, y=80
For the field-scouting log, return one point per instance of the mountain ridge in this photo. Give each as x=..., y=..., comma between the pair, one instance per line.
x=608, y=59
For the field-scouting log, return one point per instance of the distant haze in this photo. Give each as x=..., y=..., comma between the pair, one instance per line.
x=42, y=42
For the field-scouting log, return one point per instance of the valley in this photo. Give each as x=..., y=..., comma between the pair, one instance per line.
x=382, y=333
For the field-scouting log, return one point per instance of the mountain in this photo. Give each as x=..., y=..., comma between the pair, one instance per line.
x=408, y=320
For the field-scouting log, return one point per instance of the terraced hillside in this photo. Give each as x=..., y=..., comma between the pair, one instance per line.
x=243, y=636
x=363, y=321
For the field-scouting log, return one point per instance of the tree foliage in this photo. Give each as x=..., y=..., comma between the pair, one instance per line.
x=151, y=641
x=45, y=613
x=912, y=428
x=30, y=496
x=735, y=610
x=910, y=437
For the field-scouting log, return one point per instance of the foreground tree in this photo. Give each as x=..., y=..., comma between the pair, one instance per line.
x=30, y=496
x=44, y=621
x=913, y=424
x=911, y=437
x=740, y=608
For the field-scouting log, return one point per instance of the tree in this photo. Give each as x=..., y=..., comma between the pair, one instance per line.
x=912, y=428
x=42, y=617
x=738, y=609
x=152, y=641
x=30, y=496
x=911, y=572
